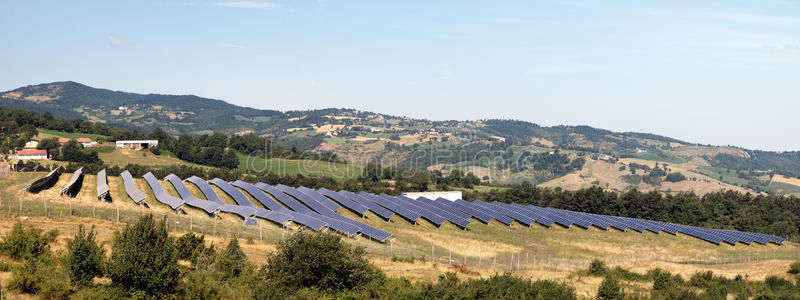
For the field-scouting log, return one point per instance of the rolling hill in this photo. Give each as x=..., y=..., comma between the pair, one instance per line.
x=496, y=150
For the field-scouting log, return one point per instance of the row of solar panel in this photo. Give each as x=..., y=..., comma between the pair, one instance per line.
x=302, y=205
x=318, y=208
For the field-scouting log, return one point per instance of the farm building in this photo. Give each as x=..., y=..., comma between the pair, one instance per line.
x=137, y=144
x=5, y=169
x=86, y=142
x=28, y=154
x=63, y=140
x=449, y=195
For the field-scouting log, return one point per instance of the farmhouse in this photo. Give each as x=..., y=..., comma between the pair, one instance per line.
x=28, y=154
x=137, y=144
x=63, y=140
x=86, y=142
x=449, y=195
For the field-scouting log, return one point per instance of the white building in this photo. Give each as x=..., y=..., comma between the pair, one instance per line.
x=137, y=144
x=28, y=154
x=449, y=195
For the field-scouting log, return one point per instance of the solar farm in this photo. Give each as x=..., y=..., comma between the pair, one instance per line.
x=345, y=212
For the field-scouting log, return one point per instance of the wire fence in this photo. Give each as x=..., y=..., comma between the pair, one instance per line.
x=396, y=250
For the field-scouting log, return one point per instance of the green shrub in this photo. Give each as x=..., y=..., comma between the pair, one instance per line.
x=85, y=258
x=187, y=244
x=40, y=276
x=794, y=268
x=143, y=258
x=597, y=268
x=319, y=260
x=199, y=285
x=232, y=262
x=610, y=289
x=26, y=244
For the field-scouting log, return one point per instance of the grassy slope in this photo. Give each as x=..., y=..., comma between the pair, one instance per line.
x=488, y=247
x=339, y=171
x=47, y=133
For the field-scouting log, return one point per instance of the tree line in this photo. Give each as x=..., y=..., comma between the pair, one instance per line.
x=771, y=214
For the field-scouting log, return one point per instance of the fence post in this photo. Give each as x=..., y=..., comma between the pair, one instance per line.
x=391, y=247
x=511, y=263
x=191, y=223
x=494, y=264
x=412, y=250
x=260, y=232
x=450, y=256
x=433, y=254
x=117, y=203
x=480, y=258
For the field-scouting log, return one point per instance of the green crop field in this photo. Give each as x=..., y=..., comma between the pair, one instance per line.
x=339, y=171
x=46, y=133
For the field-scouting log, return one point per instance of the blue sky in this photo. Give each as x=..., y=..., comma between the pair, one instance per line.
x=717, y=72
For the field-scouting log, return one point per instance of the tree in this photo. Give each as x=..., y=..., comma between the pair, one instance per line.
x=319, y=260
x=49, y=144
x=143, y=258
x=675, y=177
x=232, y=261
x=84, y=259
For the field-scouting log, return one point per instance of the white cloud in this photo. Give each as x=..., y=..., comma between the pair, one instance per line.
x=446, y=74
x=116, y=42
x=247, y=4
x=235, y=46
x=792, y=47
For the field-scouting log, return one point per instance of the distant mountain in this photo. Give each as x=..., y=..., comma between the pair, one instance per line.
x=502, y=151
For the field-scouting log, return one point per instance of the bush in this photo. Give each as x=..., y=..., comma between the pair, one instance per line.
x=675, y=177
x=143, y=258
x=597, y=268
x=610, y=289
x=187, y=244
x=84, y=259
x=27, y=244
x=319, y=260
x=232, y=262
x=794, y=268
x=40, y=276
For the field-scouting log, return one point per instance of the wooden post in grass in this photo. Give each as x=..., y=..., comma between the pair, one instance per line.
x=526, y=259
x=117, y=206
x=260, y=232
x=449, y=256
x=480, y=258
x=215, y=225
x=511, y=263
x=93, y=206
x=191, y=223
x=412, y=250
x=44, y=201
x=494, y=264
x=433, y=255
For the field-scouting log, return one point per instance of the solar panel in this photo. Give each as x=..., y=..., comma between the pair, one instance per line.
x=305, y=199
x=130, y=188
x=426, y=214
x=538, y=217
x=243, y=211
x=161, y=195
x=500, y=217
x=42, y=182
x=187, y=196
x=449, y=209
x=486, y=218
x=344, y=201
x=399, y=210
x=427, y=204
x=320, y=198
x=536, y=210
x=102, y=185
x=241, y=199
x=71, y=184
x=522, y=219
x=284, y=198
x=377, y=209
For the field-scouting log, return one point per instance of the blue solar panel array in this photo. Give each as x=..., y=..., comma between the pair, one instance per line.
x=187, y=196
x=317, y=209
x=243, y=211
x=161, y=195
x=130, y=188
x=242, y=200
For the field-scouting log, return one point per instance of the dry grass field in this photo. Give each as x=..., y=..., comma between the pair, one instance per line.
x=534, y=252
